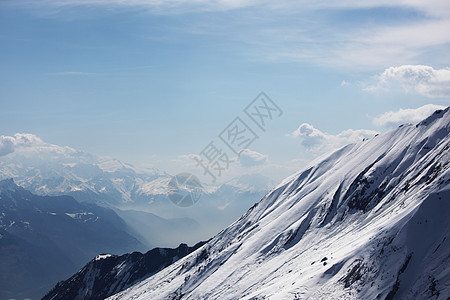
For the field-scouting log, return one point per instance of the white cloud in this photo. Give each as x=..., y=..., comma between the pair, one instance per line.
x=249, y=158
x=7, y=144
x=27, y=142
x=420, y=79
x=315, y=140
x=409, y=115
x=310, y=137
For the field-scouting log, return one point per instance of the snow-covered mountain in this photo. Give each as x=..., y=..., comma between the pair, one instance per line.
x=56, y=170
x=46, y=238
x=108, y=274
x=47, y=169
x=369, y=221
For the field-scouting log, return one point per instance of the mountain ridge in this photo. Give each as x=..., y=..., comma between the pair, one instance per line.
x=367, y=221
x=108, y=274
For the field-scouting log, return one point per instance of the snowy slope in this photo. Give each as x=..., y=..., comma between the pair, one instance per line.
x=368, y=221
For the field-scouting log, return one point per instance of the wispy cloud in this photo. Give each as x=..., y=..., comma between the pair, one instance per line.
x=75, y=73
x=134, y=70
x=409, y=115
x=153, y=6
x=365, y=46
x=307, y=30
x=432, y=7
x=420, y=79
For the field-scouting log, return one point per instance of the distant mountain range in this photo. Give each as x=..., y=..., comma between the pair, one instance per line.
x=55, y=170
x=46, y=238
x=87, y=178
x=369, y=221
x=47, y=169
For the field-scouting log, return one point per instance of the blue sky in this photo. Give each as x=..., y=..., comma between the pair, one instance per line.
x=153, y=82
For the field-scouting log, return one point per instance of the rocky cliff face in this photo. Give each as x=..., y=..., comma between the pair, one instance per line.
x=108, y=274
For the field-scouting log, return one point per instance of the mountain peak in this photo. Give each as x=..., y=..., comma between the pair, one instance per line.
x=438, y=114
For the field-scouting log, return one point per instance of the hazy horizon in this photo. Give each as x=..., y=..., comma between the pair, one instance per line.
x=153, y=83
